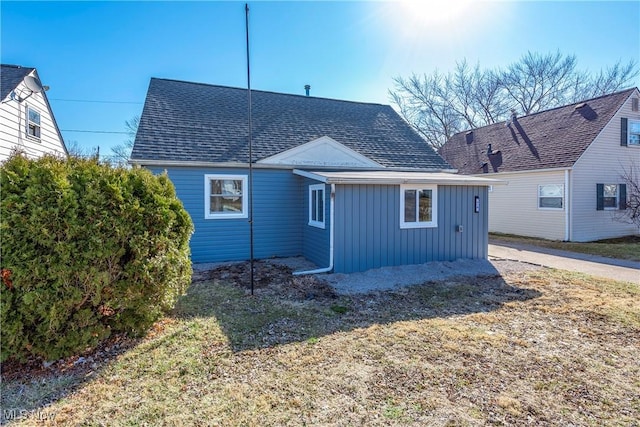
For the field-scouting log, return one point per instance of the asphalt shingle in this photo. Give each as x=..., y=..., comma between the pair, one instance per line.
x=553, y=138
x=10, y=78
x=183, y=121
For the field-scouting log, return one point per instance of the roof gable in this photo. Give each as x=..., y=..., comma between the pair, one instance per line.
x=323, y=151
x=554, y=138
x=193, y=122
x=10, y=77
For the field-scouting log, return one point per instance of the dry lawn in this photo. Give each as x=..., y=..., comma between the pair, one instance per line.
x=627, y=248
x=537, y=348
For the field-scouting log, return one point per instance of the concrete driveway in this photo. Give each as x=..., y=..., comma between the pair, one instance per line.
x=628, y=271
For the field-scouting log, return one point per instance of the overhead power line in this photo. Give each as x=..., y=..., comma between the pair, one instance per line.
x=93, y=131
x=95, y=101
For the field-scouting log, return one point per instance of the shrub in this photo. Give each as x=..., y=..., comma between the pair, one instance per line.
x=88, y=250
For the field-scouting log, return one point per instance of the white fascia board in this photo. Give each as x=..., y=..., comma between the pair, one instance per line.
x=396, y=178
x=310, y=175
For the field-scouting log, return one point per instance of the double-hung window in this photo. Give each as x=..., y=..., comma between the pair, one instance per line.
x=316, y=205
x=611, y=197
x=225, y=196
x=551, y=196
x=33, y=123
x=418, y=206
x=633, y=133
x=629, y=132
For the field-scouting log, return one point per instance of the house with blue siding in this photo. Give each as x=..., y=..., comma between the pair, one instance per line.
x=349, y=186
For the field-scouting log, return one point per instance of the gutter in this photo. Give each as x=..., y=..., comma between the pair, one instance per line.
x=331, y=238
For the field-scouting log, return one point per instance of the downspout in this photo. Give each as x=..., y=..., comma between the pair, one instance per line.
x=331, y=233
x=567, y=208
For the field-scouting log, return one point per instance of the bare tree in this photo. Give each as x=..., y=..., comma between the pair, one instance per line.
x=439, y=105
x=537, y=82
x=75, y=150
x=630, y=215
x=120, y=153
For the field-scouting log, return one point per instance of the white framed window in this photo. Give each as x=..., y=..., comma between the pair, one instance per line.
x=225, y=196
x=551, y=196
x=418, y=206
x=633, y=133
x=33, y=123
x=316, y=205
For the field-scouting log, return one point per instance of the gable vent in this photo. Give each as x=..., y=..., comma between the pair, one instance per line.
x=634, y=104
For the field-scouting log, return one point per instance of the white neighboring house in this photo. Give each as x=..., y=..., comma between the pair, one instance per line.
x=564, y=168
x=26, y=120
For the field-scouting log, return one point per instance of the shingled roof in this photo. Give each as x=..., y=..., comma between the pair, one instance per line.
x=554, y=138
x=10, y=78
x=193, y=122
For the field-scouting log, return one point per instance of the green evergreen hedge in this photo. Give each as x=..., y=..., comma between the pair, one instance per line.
x=88, y=250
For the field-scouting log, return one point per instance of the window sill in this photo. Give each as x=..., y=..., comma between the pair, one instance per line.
x=316, y=224
x=409, y=225
x=226, y=216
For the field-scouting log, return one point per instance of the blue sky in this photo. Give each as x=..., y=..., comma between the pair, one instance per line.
x=107, y=51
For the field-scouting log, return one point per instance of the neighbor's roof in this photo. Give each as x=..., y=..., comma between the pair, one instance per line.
x=396, y=177
x=549, y=139
x=10, y=78
x=193, y=122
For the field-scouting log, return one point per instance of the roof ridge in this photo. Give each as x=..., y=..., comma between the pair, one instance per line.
x=630, y=89
x=270, y=92
x=17, y=66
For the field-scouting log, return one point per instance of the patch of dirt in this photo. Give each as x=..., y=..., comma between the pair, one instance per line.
x=83, y=364
x=269, y=278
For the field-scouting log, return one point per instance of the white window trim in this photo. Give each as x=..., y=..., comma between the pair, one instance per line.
x=28, y=122
x=434, y=206
x=313, y=223
x=629, y=123
x=207, y=197
x=551, y=209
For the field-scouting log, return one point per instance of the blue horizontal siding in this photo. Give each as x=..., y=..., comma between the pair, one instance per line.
x=277, y=215
x=316, y=241
x=368, y=233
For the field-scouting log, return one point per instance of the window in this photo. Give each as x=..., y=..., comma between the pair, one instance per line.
x=551, y=196
x=33, y=123
x=633, y=133
x=418, y=206
x=611, y=196
x=316, y=205
x=225, y=196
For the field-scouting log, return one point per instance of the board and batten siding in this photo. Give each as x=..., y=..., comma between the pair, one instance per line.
x=368, y=233
x=13, y=124
x=513, y=208
x=602, y=163
x=315, y=240
x=277, y=215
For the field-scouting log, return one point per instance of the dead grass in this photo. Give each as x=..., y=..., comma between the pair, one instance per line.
x=627, y=248
x=543, y=348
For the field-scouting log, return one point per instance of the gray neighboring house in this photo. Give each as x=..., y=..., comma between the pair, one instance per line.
x=350, y=186
x=564, y=168
x=27, y=122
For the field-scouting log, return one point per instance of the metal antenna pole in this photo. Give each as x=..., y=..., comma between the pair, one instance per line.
x=246, y=9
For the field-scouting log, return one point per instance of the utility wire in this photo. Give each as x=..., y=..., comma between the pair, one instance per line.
x=93, y=131
x=95, y=101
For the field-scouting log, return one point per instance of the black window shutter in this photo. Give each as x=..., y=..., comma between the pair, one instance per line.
x=600, y=197
x=623, y=131
x=622, y=189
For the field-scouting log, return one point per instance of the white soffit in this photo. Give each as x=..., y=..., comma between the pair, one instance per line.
x=324, y=152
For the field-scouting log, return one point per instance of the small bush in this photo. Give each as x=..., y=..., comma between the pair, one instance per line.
x=87, y=250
